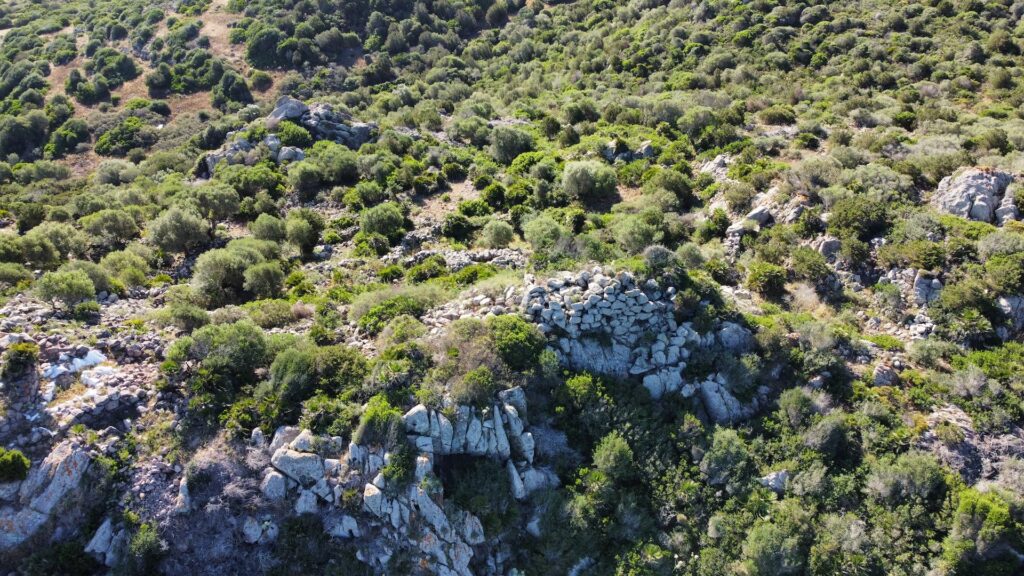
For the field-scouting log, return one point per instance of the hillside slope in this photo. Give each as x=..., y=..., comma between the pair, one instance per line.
x=504, y=288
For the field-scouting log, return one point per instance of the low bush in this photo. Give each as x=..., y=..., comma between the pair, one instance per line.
x=518, y=342
x=13, y=465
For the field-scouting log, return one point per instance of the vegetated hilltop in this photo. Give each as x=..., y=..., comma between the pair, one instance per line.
x=499, y=288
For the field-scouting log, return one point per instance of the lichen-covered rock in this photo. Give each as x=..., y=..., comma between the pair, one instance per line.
x=49, y=484
x=288, y=108
x=775, y=481
x=306, y=469
x=976, y=194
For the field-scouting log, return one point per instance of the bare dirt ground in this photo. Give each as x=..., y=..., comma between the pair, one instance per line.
x=217, y=23
x=435, y=207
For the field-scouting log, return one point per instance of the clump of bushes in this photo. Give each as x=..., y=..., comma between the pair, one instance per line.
x=13, y=465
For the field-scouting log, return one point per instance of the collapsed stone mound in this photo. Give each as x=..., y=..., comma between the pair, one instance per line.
x=982, y=194
x=615, y=326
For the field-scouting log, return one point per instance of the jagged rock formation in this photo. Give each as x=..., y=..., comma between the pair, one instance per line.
x=323, y=122
x=982, y=194
x=320, y=119
x=974, y=455
x=25, y=507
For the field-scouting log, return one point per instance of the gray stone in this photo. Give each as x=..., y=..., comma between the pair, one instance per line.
x=306, y=502
x=283, y=435
x=518, y=489
x=515, y=397
x=417, y=420
x=251, y=530
x=374, y=501
x=884, y=375
x=303, y=442
x=973, y=193
x=288, y=108
x=290, y=154
x=183, y=503
x=343, y=526
x=775, y=481
x=273, y=485
x=734, y=337
x=926, y=288
x=100, y=542
x=306, y=469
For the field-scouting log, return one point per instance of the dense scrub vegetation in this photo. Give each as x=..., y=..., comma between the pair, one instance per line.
x=575, y=132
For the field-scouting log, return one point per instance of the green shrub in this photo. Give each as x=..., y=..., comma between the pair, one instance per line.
x=777, y=115
x=496, y=234
x=268, y=227
x=291, y=134
x=766, y=279
x=378, y=316
x=391, y=273
x=857, y=216
x=323, y=414
x=477, y=387
x=380, y=424
x=127, y=135
x=145, y=551
x=808, y=264
x=179, y=230
x=302, y=228
x=271, y=313
x=264, y=280
x=88, y=311
x=457, y=226
x=432, y=267
x=68, y=287
x=518, y=342
x=399, y=470
x=507, y=143
x=12, y=274
x=385, y=219
x=588, y=179
x=13, y=465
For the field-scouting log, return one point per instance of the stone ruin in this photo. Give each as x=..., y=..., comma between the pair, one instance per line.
x=613, y=325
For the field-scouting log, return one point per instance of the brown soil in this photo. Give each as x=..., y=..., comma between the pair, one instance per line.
x=435, y=207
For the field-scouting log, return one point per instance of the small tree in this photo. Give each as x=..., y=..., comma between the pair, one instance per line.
x=179, y=230
x=507, y=143
x=588, y=179
x=496, y=234
x=264, y=280
x=68, y=287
